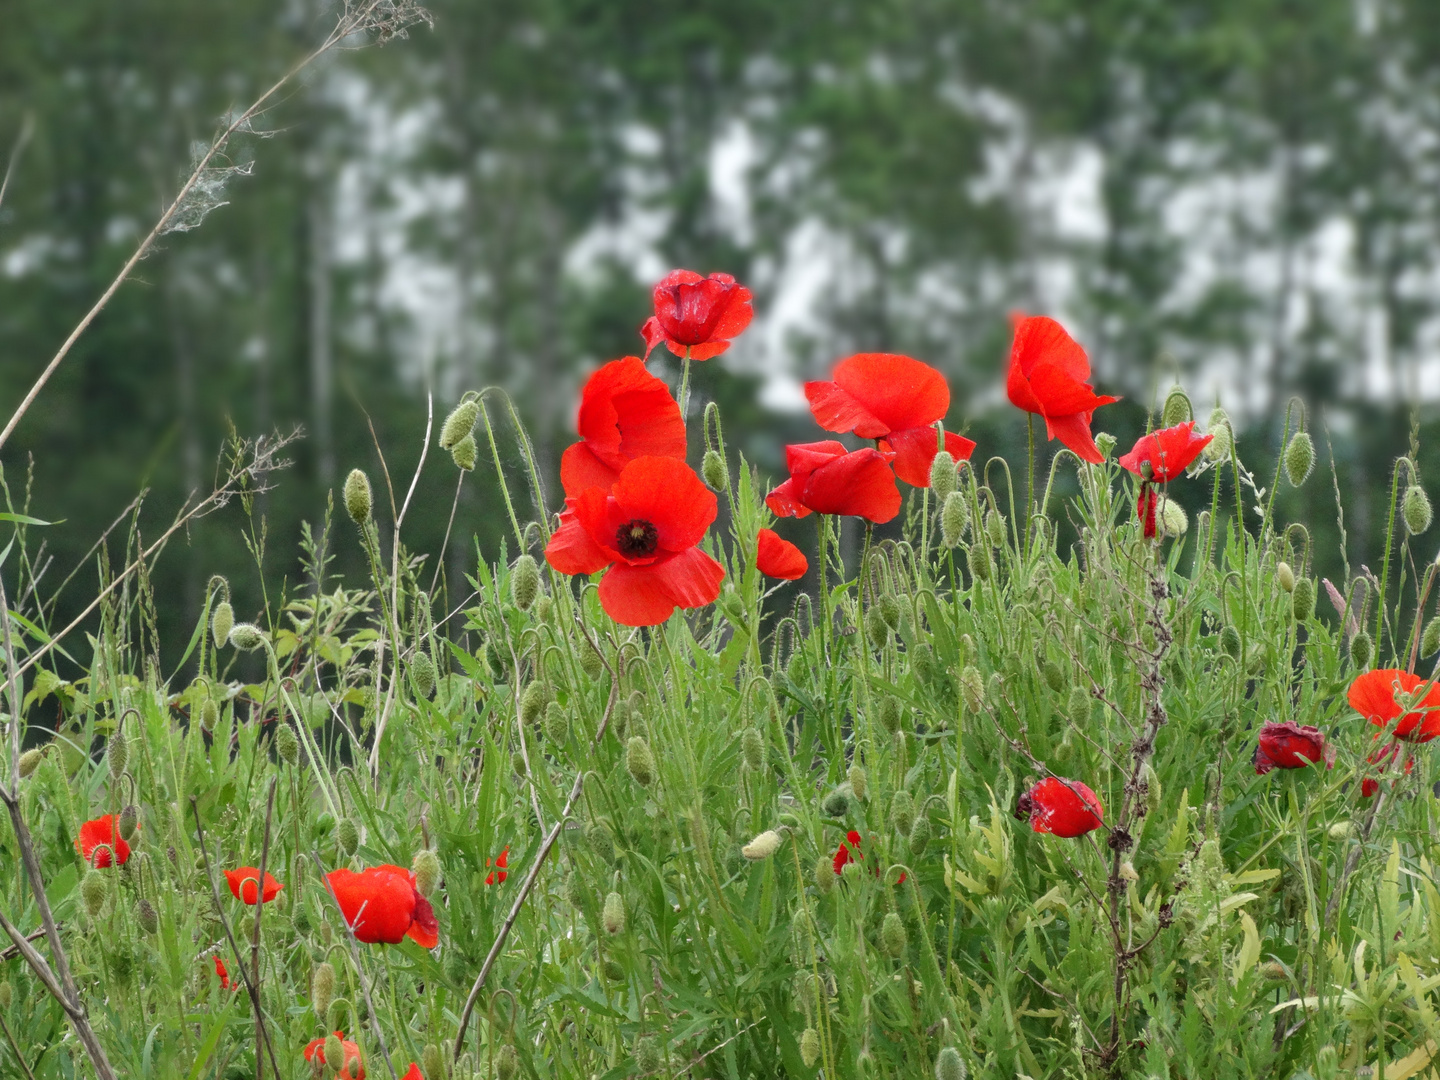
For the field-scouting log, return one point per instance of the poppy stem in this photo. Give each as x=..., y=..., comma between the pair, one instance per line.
x=685, y=384
x=824, y=592
x=1029, y=474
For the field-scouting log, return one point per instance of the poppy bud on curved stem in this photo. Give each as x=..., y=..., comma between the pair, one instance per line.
x=1302, y=600
x=507, y=1062
x=30, y=761
x=1222, y=435
x=129, y=822
x=358, y=499
x=422, y=673
x=713, y=471
x=1299, y=458
x=954, y=519
x=763, y=846
x=943, y=477
x=459, y=424
x=1285, y=576
x=612, y=916
x=334, y=1053
x=221, y=621
x=465, y=453
x=1430, y=639
x=287, y=744
x=859, y=781
x=752, y=748
x=247, y=637
x=1177, y=408
x=1415, y=509
x=147, y=917
x=94, y=892
x=347, y=836
x=1361, y=649
x=892, y=936
x=639, y=761
x=117, y=754
x=525, y=582
x=1230, y=643
x=426, y=867
x=949, y=1065
x=809, y=1047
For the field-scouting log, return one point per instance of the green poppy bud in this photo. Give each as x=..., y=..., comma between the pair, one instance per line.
x=648, y=1055
x=1077, y=706
x=919, y=836
x=1104, y=442
x=247, y=637
x=347, y=835
x=763, y=846
x=459, y=424
x=592, y=664
x=890, y=610
x=209, y=715
x=30, y=760
x=809, y=1047
x=574, y=890
x=859, y=781
x=1302, y=600
x=1299, y=458
x=995, y=528
x=287, y=744
x=422, y=673
x=334, y=1052
x=892, y=936
x=517, y=764
x=890, y=715
x=1230, y=643
x=902, y=812
x=117, y=754
x=954, y=519
x=639, y=761
x=977, y=557
x=432, y=1062
x=129, y=822
x=146, y=916
x=1415, y=509
x=712, y=468
x=507, y=1062
x=613, y=971
x=94, y=891
x=426, y=867
x=824, y=876
x=359, y=500
x=752, y=748
x=1430, y=639
x=1172, y=519
x=7, y=996
x=1222, y=436
x=1285, y=576
x=525, y=581
x=221, y=622
x=837, y=803
x=943, y=477
x=1361, y=650
x=544, y=608
x=465, y=453
x=557, y=724
x=533, y=700
x=1177, y=408
x=301, y=921
x=1341, y=830
x=875, y=628
x=600, y=841
x=612, y=916
x=972, y=688
x=1054, y=676
x=949, y=1065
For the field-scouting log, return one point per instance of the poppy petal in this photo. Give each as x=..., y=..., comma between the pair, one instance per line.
x=836, y=409
x=691, y=578
x=1041, y=341
x=1074, y=432
x=581, y=469
x=635, y=596
x=899, y=391
x=653, y=333
x=668, y=494
x=778, y=558
x=1061, y=395
x=626, y=412
x=915, y=448
x=571, y=549
x=784, y=500
x=859, y=483
x=425, y=928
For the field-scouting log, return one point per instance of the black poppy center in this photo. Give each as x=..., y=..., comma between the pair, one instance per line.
x=636, y=539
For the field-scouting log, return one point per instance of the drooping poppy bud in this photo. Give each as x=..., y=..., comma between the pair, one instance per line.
x=1230, y=643
x=713, y=472
x=763, y=846
x=648, y=1055
x=1430, y=639
x=432, y=1062
x=247, y=637
x=334, y=1052
x=507, y=1062
x=859, y=781
x=1284, y=576
x=221, y=622
x=1302, y=600
x=1299, y=458
x=358, y=499
x=146, y=916
x=1177, y=408
x=557, y=723
x=889, y=715
x=422, y=674
x=465, y=454
x=600, y=841
x=347, y=835
x=426, y=867
x=809, y=1047
x=943, y=476
x=824, y=876
x=533, y=700
x=209, y=715
x=949, y=1065
x=1415, y=509
x=902, y=812
x=919, y=835
x=995, y=528
x=752, y=748
x=837, y=803
x=94, y=892
x=525, y=582
x=612, y=916
x=459, y=424
x=129, y=821
x=1362, y=647
x=287, y=744
x=954, y=519
x=1173, y=520
x=892, y=936
x=1222, y=435
x=30, y=760
x=977, y=557
x=639, y=761
x=117, y=754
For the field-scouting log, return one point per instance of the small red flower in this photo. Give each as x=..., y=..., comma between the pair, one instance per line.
x=382, y=905
x=1374, y=695
x=1049, y=376
x=778, y=558
x=895, y=399
x=413, y=1073
x=1382, y=759
x=848, y=851
x=316, y=1051
x=100, y=843
x=625, y=413
x=645, y=530
x=242, y=884
x=499, y=873
x=1166, y=453
x=695, y=313
x=827, y=479
x=1290, y=746
x=224, y=974
x=1062, y=807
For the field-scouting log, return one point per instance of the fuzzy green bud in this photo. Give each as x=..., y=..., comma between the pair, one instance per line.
x=639, y=761
x=94, y=891
x=612, y=916
x=574, y=890
x=1222, y=436
x=954, y=519
x=943, y=477
x=1415, y=509
x=824, y=876
x=533, y=700
x=1177, y=408
x=557, y=724
x=752, y=748
x=287, y=744
x=1299, y=458
x=859, y=781
x=648, y=1055
x=972, y=688
x=525, y=582
x=809, y=1047
x=422, y=673
x=1362, y=648
x=301, y=922
x=995, y=528
x=247, y=637
x=902, y=812
x=1430, y=639
x=890, y=714
x=460, y=423
x=426, y=867
x=347, y=835
x=507, y=1062
x=592, y=664
x=949, y=1065
x=1172, y=519
x=432, y=1062
x=613, y=971
x=919, y=836
x=465, y=453
x=892, y=936
x=600, y=841
x=875, y=628
x=334, y=1053
x=146, y=916
x=1285, y=576
x=129, y=822
x=837, y=803
x=1077, y=706
x=221, y=622
x=1302, y=600
x=1105, y=442
x=977, y=557
x=359, y=500
x=209, y=715
x=1230, y=643
x=890, y=610
x=1054, y=676
x=7, y=996
x=30, y=760
x=712, y=468
x=1341, y=830
x=763, y=846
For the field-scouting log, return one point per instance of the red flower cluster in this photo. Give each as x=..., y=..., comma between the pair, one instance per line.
x=499, y=873
x=778, y=558
x=1049, y=376
x=1158, y=458
x=224, y=974
x=382, y=905
x=1376, y=695
x=697, y=314
x=243, y=881
x=625, y=413
x=100, y=843
x=1061, y=807
x=315, y=1051
x=1290, y=745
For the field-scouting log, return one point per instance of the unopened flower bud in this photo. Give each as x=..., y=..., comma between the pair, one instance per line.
x=752, y=748
x=1177, y=408
x=1230, y=643
x=1274, y=971
x=7, y=996
x=533, y=700
x=1285, y=576
x=465, y=453
x=507, y=1062
x=837, y=803
x=1415, y=509
x=919, y=835
x=209, y=715
x=94, y=891
x=1302, y=600
x=574, y=890
x=1222, y=436
x=891, y=610
x=30, y=760
x=954, y=519
x=902, y=812
x=287, y=744
x=557, y=723
x=824, y=876
x=972, y=688
x=1299, y=458
x=347, y=835
x=995, y=528
x=612, y=916
x=763, y=846
x=943, y=477
x=1054, y=675
x=117, y=754
x=648, y=1056
x=221, y=622
x=432, y=1062
x=639, y=761
x=890, y=715
x=301, y=921
x=1341, y=830
x=809, y=1047
x=875, y=628
x=600, y=841
x=1429, y=643
x=712, y=468
x=459, y=424
x=334, y=1052
x=1172, y=519
x=892, y=936
x=613, y=971
x=146, y=916
x=525, y=581
x=129, y=822
x=247, y=637
x=949, y=1065
x=977, y=557
x=859, y=781
x=426, y=867
x=359, y=500
x=1362, y=648
x=422, y=674
x=1104, y=442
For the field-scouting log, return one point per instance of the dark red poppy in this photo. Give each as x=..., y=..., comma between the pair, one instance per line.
x=223, y=972
x=242, y=884
x=500, y=873
x=382, y=905
x=778, y=558
x=1290, y=746
x=1163, y=455
x=895, y=399
x=100, y=843
x=697, y=313
x=1375, y=695
x=1049, y=376
x=848, y=851
x=1062, y=807
x=316, y=1051
x=1382, y=759
x=827, y=479
x=625, y=413
x=645, y=530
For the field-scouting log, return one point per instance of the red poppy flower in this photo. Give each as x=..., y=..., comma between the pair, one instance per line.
x=1049, y=375
x=224, y=974
x=625, y=413
x=1290, y=746
x=1374, y=696
x=645, y=530
x=696, y=313
x=1382, y=759
x=1061, y=807
x=847, y=852
x=1167, y=452
x=316, y=1051
x=100, y=843
x=500, y=873
x=827, y=479
x=778, y=558
x=382, y=905
x=895, y=399
x=413, y=1073
x=242, y=884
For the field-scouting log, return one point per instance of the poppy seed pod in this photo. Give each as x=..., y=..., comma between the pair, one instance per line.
x=1415, y=509
x=859, y=781
x=612, y=916
x=322, y=989
x=146, y=916
x=287, y=744
x=334, y=1053
x=507, y=1062
x=358, y=498
x=943, y=477
x=1177, y=408
x=533, y=700
x=954, y=519
x=763, y=846
x=995, y=528
x=525, y=582
x=247, y=637
x=30, y=760
x=426, y=867
x=221, y=622
x=949, y=1065
x=1361, y=649
x=1302, y=600
x=752, y=748
x=919, y=836
x=465, y=453
x=639, y=761
x=647, y=1054
x=1285, y=576
x=712, y=470
x=1222, y=435
x=902, y=812
x=460, y=423
x=824, y=876
x=422, y=674
x=347, y=836
x=977, y=557
x=1430, y=639
x=1299, y=458
x=94, y=891
x=1230, y=643
x=809, y=1047
x=892, y=936
x=129, y=822
x=557, y=723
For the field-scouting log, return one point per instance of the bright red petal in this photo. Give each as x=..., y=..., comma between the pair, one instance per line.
x=1074, y=432
x=378, y=904
x=778, y=558
x=1169, y=451
x=915, y=449
x=635, y=595
x=668, y=494
x=100, y=843
x=424, y=928
x=626, y=412
x=784, y=501
x=653, y=333
x=691, y=578
x=571, y=549
x=836, y=409
x=1041, y=341
x=581, y=469
x=413, y=1073
x=899, y=391
x=859, y=483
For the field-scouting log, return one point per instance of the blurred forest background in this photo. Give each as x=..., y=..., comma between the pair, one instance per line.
x=1242, y=195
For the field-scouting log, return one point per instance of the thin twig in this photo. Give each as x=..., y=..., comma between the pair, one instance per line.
x=14, y=1046
x=12, y=951
x=26, y=130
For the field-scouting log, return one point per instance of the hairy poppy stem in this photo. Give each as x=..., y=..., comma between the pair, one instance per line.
x=255, y=935
x=1029, y=475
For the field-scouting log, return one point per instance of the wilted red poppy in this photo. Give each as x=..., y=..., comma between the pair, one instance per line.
x=1382, y=759
x=499, y=874
x=1163, y=455
x=895, y=399
x=778, y=558
x=625, y=413
x=382, y=905
x=1290, y=746
x=316, y=1051
x=848, y=851
x=100, y=843
x=827, y=479
x=1049, y=376
x=1374, y=695
x=242, y=884
x=645, y=530
x=1061, y=807
x=224, y=974
x=697, y=313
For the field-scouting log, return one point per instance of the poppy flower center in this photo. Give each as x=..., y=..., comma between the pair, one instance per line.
x=637, y=539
